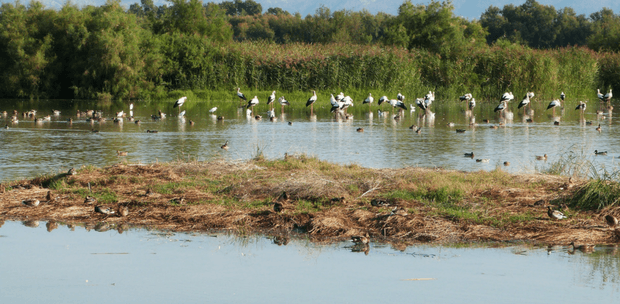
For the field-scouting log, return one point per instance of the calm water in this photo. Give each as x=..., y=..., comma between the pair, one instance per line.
x=141, y=266
x=28, y=148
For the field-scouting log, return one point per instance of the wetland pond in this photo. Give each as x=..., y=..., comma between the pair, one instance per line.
x=80, y=265
x=31, y=148
x=142, y=266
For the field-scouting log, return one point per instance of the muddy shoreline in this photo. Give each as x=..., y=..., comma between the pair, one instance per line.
x=325, y=202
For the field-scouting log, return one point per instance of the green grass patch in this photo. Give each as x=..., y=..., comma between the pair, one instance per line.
x=596, y=195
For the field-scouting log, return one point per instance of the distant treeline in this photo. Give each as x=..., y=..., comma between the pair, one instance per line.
x=146, y=51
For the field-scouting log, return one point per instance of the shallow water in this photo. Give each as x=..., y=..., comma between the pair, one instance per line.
x=28, y=148
x=65, y=266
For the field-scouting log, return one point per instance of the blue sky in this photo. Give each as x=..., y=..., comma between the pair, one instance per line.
x=467, y=8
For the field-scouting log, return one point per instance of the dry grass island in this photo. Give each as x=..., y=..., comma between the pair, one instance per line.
x=322, y=201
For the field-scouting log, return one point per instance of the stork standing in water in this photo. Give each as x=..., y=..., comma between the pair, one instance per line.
x=465, y=97
x=507, y=97
x=397, y=103
x=472, y=104
x=554, y=104
x=581, y=107
x=346, y=102
x=283, y=102
x=400, y=97
x=271, y=99
x=311, y=102
x=212, y=110
x=252, y=103
x=369, y=101
x=501, y=107
x=524, y=103
x=179, y=103
x=382, y=100
x=608, y=97
x=241, y=97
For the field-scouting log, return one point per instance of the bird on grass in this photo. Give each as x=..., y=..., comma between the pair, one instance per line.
x=555, y=214
x=31, y=202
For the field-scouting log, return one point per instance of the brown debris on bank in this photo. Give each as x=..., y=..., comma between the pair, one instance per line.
x=325, y=201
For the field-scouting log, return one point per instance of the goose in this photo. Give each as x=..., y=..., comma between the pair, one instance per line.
x=311, y=101
x=598, y=128
x=225, y=146
x=555, y=214
x=31, y=202
x=543, y=157
x=597, y=152
x=467, y=96
x=507, y=97
x=106, y=211
x=212, y=110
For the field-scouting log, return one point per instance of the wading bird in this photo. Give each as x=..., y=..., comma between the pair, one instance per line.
x=311, y=102
x=241, y=96
x=369, y=100
x=271, y=99
x=472, y=104
x=252, y=103
x=562, y=96
x=400, y=97
x=524, y=102
x=581, y=106
x=467, y=96
x=179, y=103
x=554, y=104
x=283, y=102
x=507, y=97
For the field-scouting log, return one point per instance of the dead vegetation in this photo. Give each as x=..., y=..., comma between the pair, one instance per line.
x=325, y=201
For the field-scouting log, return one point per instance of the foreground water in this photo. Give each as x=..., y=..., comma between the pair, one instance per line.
x=30, y=148
x=144, y=266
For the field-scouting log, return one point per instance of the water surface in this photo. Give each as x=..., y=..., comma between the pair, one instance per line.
x=65, y=266
x=28, y=148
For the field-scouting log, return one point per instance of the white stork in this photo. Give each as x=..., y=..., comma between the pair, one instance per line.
x=530, y=95
x=420, y=103
x=507, y=97
x=252, y=103
x=180, y=102
x=472, y=104
x=400, y=97
x=271, y=98
x=212, y=110
x=467, y=96
x=397, y=103
x=608, y=96
x=311, y=102
x=524, y=102
x=562, y=96
x=382, y=100
x=600, y=96
x=554, y=104
x=581, y=106
x=501, y=107
x=241, y=96
x=369, y=100
x=346, y=102
x=283, y=102
x=340, y=96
